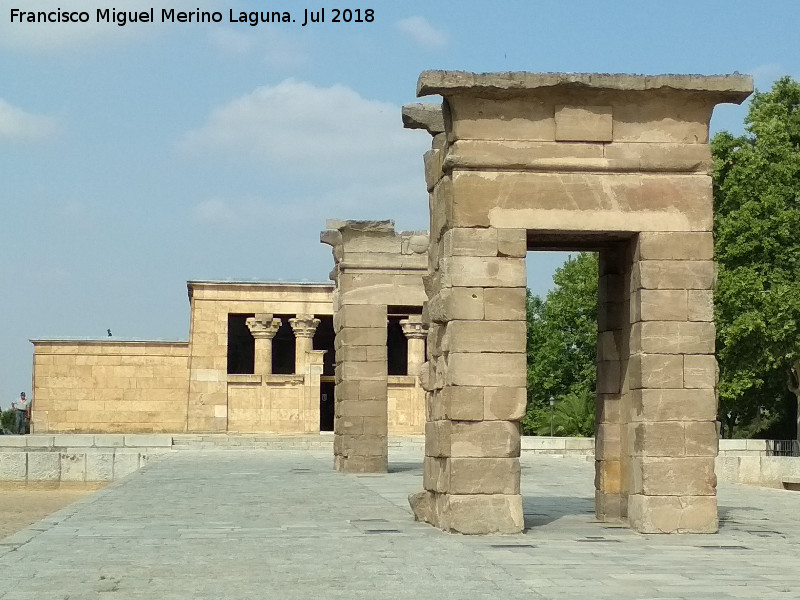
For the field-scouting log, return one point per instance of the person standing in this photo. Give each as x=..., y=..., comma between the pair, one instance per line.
x=22, y=408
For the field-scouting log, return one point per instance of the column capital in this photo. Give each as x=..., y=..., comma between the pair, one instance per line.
x=263, y=326
x=413, y=327
x=304, y=325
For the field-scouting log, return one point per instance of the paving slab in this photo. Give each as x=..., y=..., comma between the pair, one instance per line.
x=280, y=523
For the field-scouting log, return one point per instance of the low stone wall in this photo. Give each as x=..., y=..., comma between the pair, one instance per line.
x=768, y=471
x=557, y=445
x=77, y=458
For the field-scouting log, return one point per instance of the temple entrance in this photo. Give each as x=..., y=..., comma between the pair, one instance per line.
x=326, y=404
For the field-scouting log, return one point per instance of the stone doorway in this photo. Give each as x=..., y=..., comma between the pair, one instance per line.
x=619, y=163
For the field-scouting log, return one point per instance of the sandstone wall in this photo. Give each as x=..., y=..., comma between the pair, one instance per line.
x=109, y=386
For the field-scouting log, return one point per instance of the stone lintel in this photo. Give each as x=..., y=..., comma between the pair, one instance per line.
x=733, y=88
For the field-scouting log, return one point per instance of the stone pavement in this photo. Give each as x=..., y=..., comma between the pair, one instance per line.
x=282, y=524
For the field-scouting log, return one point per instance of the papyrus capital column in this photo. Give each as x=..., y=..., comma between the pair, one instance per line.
x=263, y=328
x=415, y=334
x=304, y=327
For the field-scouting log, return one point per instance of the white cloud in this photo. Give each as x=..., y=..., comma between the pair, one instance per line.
x=298, y=128
x=17, y=125
x=279, y=50
x=422, y=32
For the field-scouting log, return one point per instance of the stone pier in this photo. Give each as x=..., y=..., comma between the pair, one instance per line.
x=617, y=164
x=374, y=268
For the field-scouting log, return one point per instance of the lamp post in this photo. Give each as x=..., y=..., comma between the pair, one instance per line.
x=552, y=406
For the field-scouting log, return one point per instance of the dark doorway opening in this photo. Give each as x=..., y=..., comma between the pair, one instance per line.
x=323, y=340
x=326, y=405
x=241, y=345
x=283, y=347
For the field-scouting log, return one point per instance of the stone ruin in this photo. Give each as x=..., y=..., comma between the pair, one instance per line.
x=616, y=164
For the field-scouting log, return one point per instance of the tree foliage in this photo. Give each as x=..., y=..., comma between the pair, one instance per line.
x=562, y=346
x=757, y=229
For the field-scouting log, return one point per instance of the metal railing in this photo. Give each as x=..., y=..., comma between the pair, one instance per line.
x=783, y=448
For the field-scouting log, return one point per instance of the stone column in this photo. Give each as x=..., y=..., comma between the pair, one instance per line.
x=263, y=328
x=672, y=437
x=304, y=327
x=415, y=334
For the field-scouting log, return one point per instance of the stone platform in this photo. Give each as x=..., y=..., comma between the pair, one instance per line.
x=280, y=523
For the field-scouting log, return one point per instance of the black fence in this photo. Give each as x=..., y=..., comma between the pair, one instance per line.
x=783, y=448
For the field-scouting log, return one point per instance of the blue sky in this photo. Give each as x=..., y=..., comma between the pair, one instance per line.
x=134, y=158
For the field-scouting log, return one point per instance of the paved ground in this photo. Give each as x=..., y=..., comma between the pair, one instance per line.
x=281, y=524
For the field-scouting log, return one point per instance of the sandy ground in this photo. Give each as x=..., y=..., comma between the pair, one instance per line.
x=21, y=506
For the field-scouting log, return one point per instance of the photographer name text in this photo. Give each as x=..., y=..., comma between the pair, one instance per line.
x=122, y=18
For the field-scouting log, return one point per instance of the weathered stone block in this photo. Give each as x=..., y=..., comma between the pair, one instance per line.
x=457, y=304
x=674, y=275
x=512, y=242
x=608, y=377
x=125, y=463
x=673, y=405
x=609, y=344
x=659, y=305
x=360, y=315
x=504, y=403
x=483, y=475
x=13, y=466
x=484, y=336
x=463, y=403
x=673, y=337
x=482, y=513
x=608, y=507
x=607, y=476
x=700, y=371
x=435, y=474
x=99, y=466
x=608, y=441
x=467, y=271
x=73, y=466
x=504, y=304
x=486, y=369
x=44, y=466
x=484, y=439
x=700, y=305
x=673, y=514
x=664, y=438
x=470, y=241
x=669, y=476
x=655, y=371
x=583, y=123
x=701, y=438
x=683, y=245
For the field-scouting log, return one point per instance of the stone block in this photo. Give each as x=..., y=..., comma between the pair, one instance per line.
x=673, y=514
x=480, y=514
x=608, y=476
x=486, y=369
x=435, y=474
x=360, y=336
x=673, y=337
x=463, y=403
x=73, y=466
x=504, y=304
x=655, y=371
x=437, y=438
x=665, y=476
x=468, y=271
x=512, y=242
x=75, y=440
x=363, y=370
x=700, y=371
x=674, y=275
x=659, y=305
x=148, y=441
x=363, y=408
x=583, y=123
x=457, y=304
x=484, y=336
x=700, y=305
x=683, y=245
x=13, y=466
x=13, y=441
x=665, y=438
x=125, y=463
x=361, y=464
x=484, y=439
x=504, y=403
x=702, y=438
x=44, y=466
x=360, y=315
x=608, y=507
x=607, y=408
x=109, y=440
x=470, y=241
x=483, y=475
x=608, y=377
x=99, y=466
x=673, y=405
x=608, y=441
x=609, y=344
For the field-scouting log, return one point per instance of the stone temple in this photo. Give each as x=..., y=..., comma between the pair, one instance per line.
x=615, y=164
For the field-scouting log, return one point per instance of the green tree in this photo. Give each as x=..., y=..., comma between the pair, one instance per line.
x=757, y=229
x=562, y=347
x=7, y=420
